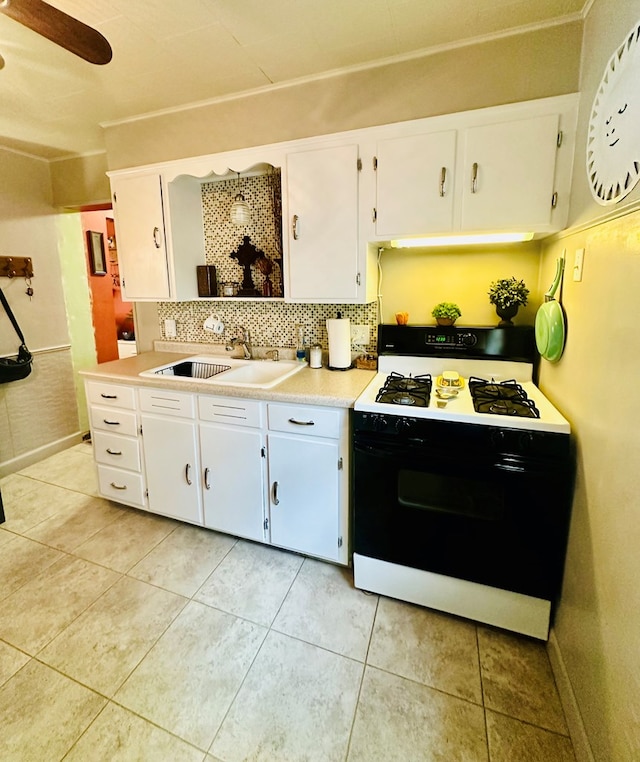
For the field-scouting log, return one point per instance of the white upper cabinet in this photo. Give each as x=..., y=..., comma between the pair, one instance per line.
x=510, y=171
x=322, y=224
x=142, y=256
x=415, y=184
x=160, y=235
x=502, y=169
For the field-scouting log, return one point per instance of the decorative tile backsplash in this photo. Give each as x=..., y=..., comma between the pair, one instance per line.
x=222, y=237
x=271, y=323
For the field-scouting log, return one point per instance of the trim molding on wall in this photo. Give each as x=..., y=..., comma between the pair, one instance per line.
x=34, y=456
x=579, y=738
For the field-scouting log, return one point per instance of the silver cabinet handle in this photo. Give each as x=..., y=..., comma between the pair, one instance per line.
x=274, y=494
x=118, y=486
x=157, y=238
x=109, y=396
x=111, y=423
x=113, y=452
x=474, y=177
x=294, y=227
x=187, y=473
x=302, y=423
x=443, y=178
x=207, y=484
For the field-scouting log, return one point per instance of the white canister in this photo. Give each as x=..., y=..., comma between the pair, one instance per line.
x=315, y=356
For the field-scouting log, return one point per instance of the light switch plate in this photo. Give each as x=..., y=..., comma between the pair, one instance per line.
x=170, y=328
x=577, y=264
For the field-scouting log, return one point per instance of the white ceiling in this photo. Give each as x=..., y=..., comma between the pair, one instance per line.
x=168, y=54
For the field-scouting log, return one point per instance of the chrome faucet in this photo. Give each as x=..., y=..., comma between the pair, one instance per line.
x=242, y=339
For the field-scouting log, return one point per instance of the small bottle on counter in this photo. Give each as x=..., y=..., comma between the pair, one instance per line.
x=315, y=356
x=300, y=352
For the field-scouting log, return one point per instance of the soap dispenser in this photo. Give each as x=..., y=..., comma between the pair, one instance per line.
x=299, y=337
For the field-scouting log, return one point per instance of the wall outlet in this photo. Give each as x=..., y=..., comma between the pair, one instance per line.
x=360, y=334
x=170, y=328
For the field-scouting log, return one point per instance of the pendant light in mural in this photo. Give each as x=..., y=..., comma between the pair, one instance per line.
x=240, y=210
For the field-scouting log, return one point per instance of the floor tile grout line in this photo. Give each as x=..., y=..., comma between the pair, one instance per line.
x=484, y=708
x=528, y=723
x=362, y=676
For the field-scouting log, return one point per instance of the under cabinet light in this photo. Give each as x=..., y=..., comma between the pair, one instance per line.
x=461, y=240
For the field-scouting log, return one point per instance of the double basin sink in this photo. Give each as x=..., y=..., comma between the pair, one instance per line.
x=223, y=371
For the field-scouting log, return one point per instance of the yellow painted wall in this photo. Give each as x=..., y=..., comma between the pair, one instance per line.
x=415, y=280
x=597, y=628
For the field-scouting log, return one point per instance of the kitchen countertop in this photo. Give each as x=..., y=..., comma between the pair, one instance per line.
x=310, y=386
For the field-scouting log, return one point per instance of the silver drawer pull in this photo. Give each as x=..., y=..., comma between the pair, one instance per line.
x=157, y=238
x=109, y=396
x=207, y=483
x=111, y=423
x=295, y=232
x=118, y=486
x=302, y=423
x=474, y=177
x=187, y=473
x=113, y=452
x=443, y=179
x=274, y=494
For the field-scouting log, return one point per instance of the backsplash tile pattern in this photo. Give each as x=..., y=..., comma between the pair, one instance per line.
x=271, y=322
x=223, y=237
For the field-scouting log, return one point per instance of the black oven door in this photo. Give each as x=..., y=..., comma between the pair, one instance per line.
x=496, y=519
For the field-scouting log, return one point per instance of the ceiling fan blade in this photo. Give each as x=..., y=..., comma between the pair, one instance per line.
x=60, y=28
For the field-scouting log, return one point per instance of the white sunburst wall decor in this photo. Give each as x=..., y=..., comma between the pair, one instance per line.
x=613, y=139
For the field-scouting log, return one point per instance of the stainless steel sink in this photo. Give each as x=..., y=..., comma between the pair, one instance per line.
x=223, y=371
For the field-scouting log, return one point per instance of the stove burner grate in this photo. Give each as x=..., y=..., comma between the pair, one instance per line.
x=405, y=390
x=501, y=398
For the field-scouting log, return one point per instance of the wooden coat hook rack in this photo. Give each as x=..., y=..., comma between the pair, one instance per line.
x=16, y=267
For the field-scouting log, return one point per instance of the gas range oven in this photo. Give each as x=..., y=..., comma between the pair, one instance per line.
x=462, y=477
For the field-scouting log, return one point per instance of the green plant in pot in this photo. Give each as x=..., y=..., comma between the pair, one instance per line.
x=446, y=313
x=508, y=294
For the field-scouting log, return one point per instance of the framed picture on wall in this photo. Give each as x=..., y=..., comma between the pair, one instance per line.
x=97, y=259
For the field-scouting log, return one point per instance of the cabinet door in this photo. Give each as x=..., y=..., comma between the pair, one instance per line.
x=513, y=164
x=142, y=252
x=170, y=455
x=415, y=184
x=304, y=494
x=232, y=479
x=323, y=224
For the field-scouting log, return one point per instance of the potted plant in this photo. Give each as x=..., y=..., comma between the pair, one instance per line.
x=507, y=294
x=446, y=313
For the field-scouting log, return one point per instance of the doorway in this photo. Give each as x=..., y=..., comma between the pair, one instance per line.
x=112, y=317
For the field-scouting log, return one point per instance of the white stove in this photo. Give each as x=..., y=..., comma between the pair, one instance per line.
x=462, y=477
x=459, y=407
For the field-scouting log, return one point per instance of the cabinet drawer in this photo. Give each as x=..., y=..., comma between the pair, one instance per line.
x=299, y=419
x=115, y=450
x=121, y=486
x=115, y=421
x=111, y=394
x=237, y=412
x=167, y=402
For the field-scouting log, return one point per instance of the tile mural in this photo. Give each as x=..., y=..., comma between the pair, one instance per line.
x=272, y=323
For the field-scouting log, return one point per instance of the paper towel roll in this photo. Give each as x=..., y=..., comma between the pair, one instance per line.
x=339, y=333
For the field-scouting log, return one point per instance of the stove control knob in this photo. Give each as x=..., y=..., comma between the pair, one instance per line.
x=403, y=425
x=468, y=339
x=379, y=423
x=525, y=441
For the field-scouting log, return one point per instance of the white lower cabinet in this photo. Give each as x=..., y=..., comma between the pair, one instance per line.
x=269, y=472
x=232, y=462
x=116, y=442
x=172, y=466
x=307, y=461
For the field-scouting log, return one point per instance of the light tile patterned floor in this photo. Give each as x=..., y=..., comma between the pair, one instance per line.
x=126, y=636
